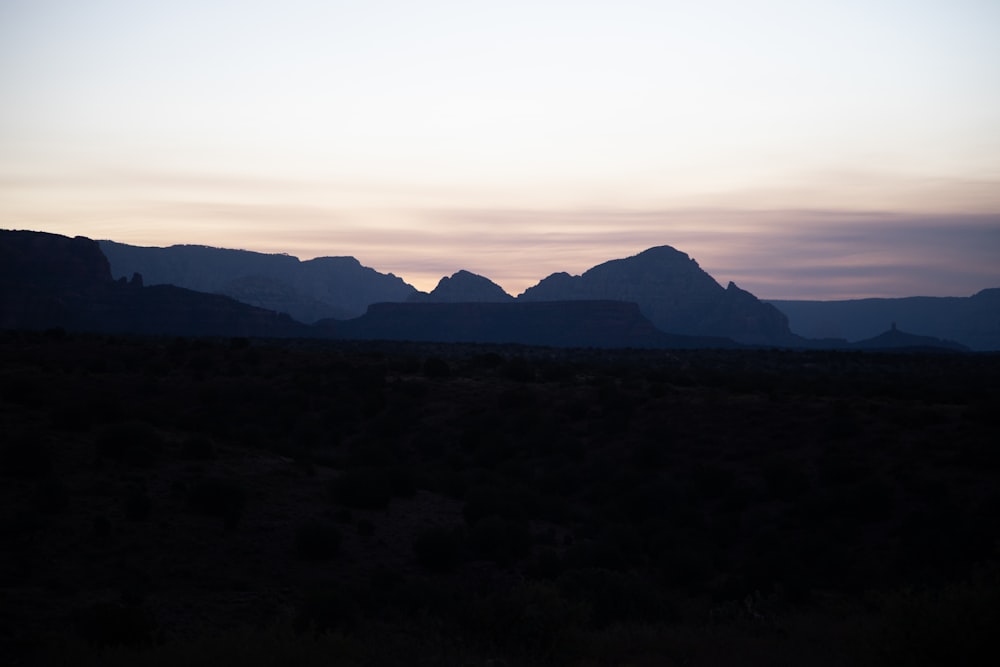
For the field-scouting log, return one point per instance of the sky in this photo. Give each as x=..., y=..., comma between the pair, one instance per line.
x=803, y=149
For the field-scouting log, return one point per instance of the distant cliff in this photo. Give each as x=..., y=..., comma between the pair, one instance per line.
x=48, y=280
x=605, y=324
x=315, y=289
x=894, y=339
x=657, y=299
x=972, y=321
x=675, y=294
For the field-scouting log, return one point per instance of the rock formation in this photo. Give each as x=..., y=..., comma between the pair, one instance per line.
x=464, y=287
x=675, y=294
x=315, y=289
x=48, y=280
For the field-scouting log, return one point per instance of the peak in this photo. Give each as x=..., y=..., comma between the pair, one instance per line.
x=463, y=276
x=662, y=254
x=343, y=260
x=662, y=250
x=465, y=286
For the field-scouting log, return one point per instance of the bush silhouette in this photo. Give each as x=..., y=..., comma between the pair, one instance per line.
x=498, y=539
x=435, y=367
x=110, y=624
x=530, y=618
x=438, y=549
x=217, y=497
x=785, y=480
x=363, y=488
x=519, y=370
x=134, y=443
x=198, y=448
x=333, y=607
x=317, y=541
x=51, y=496
x=25, y=457
x=614, y=597
x=137, y=505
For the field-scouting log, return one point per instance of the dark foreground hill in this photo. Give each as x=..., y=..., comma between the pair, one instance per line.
x=209, y=502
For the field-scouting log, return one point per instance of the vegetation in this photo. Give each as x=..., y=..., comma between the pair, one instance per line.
x=186, y=501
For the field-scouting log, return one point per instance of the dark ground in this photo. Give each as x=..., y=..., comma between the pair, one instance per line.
x=255, y=502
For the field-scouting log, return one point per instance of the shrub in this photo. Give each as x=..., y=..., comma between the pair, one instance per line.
x=198, y=448
x=51, y=496
x=500, y=540
x=134, y=443
x=363, y=488
x=330, y=608
x=216, y=497
x=71, y=416
x=955, y=625
x=25, y=458
x=109, y=624
x=137, y=505
x=438, y=549
x=615, y=596
x=529, y=619
x=785, y=480
x=402, y=482
x=487, y=501
x=435, y=367
x=316, y=541
x=519, y=370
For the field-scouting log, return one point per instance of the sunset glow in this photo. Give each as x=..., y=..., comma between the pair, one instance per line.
x=801, y=149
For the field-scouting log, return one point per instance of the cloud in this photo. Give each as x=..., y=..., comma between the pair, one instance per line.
x=774, y=253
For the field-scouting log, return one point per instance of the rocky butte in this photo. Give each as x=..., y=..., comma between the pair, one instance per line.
x=676, y=294
x=463, y=287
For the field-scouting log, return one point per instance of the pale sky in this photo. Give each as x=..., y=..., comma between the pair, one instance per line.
x=802, y=149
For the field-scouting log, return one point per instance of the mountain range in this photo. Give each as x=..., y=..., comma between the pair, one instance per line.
x=337, y=287
x=670, y=289
x=973, y=321
x=658, y=298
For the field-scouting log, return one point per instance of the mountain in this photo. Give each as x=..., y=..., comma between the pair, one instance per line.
x=656, y=299
x=463, y=287
x=604, y=324
x=48, y=280
x=675, y=294
x=315, y=289
x=894, y=339
x=973, y=321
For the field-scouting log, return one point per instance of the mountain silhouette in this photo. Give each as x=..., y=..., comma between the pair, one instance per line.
x=894, y=339
x=973, y=321
x=48, y=280
x=463, y=287
x=675, y=294
x=656, y=299
x=311, y=290
x=602, y=324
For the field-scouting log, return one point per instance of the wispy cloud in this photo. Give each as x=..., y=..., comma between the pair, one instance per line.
x=775, y=253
